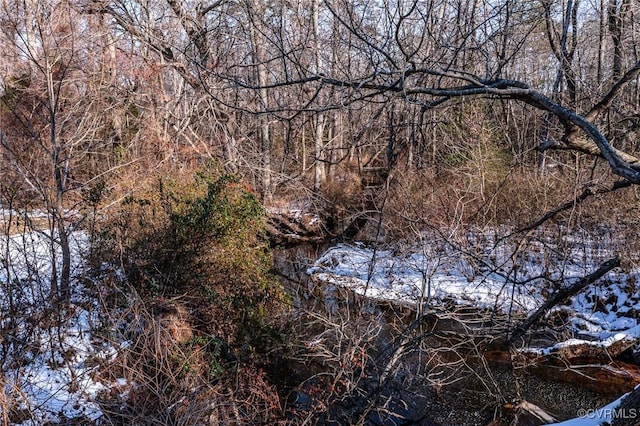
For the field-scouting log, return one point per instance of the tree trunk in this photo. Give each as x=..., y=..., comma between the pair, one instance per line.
x=62, y=285
x=319, y=169
x=616, y=11
x=265, y=132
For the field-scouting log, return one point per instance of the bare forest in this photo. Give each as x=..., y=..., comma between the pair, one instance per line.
x=201, y=177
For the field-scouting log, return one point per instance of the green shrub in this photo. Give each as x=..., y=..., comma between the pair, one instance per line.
x=202, y=238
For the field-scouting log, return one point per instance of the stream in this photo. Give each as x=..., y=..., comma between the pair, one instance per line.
x=480, y=388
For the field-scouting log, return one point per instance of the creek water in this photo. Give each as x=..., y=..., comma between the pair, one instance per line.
x=482, y=391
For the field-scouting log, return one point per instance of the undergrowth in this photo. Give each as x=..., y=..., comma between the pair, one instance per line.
x=201, y=304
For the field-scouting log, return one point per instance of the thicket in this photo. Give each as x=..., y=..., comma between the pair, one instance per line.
x=198, y=301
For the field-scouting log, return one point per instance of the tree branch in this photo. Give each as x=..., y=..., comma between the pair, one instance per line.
x=586, y=193
x=606, y=101
x=562, y=295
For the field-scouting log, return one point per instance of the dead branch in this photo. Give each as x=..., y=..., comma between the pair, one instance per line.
x=561, y=295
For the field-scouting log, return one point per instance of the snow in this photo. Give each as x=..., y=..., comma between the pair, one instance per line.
x=50, y=365
x=601, y=314
x=379, y=274
x=59, y=385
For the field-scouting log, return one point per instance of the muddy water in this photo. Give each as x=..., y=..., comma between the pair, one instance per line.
x=482, y=392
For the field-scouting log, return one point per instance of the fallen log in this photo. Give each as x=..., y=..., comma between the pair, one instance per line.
x=597, y=372
x=294, y=227
x=562, y=295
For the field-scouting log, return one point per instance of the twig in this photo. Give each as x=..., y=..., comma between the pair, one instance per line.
x=562, y=295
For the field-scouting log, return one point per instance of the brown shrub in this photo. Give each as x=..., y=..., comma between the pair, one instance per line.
x=169, y=373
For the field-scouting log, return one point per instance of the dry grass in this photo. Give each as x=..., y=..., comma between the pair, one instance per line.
x=170, y=373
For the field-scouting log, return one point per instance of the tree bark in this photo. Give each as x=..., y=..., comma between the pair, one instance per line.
x=616, y=11
x=319, y=166
x=257, y=40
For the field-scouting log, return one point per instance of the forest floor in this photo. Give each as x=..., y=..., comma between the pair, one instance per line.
x=51, y=360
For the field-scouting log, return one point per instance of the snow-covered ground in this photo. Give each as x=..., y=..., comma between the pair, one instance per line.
x=49, y=364
x=604, y=312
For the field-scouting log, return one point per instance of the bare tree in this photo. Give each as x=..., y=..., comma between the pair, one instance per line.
x=49, y=111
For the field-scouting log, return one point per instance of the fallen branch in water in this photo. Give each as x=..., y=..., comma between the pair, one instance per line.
x=561, y=295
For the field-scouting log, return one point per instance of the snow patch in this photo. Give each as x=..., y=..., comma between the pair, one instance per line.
x=51, y=359
x=600, y=314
